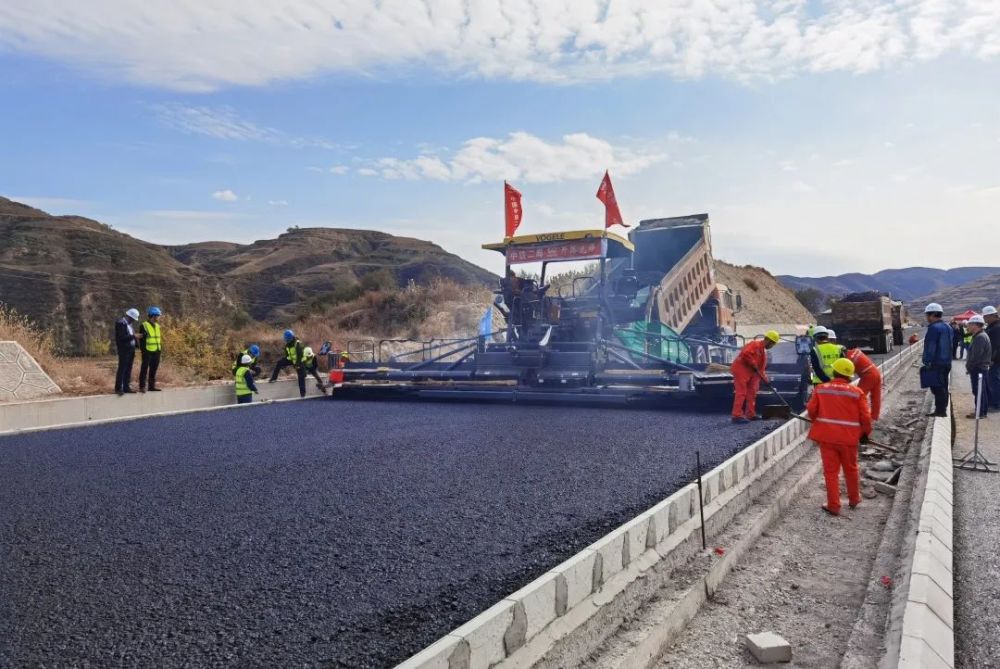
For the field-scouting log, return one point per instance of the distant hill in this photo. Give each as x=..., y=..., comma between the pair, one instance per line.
x=972, y=295
x=765, y=300
x=74, y=276
x=904, y=284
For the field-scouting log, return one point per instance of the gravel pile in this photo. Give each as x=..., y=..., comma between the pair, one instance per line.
x=332, y=534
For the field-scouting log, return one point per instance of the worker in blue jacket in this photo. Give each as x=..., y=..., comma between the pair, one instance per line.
x=936, y=369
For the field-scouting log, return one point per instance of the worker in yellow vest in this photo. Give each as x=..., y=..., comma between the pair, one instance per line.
x=245, y=386
x=823, y=355
x=311, y=364
x=151, y=346
x=293, y=358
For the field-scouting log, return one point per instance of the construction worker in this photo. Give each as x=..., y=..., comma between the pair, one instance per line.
x=151, y=348
x=748, y=372
x=811, y=330
x=967, y=335
x=253, y=350
x=311, y=364
x=992, y=319
x=869, y=379
x=977, y=364
x=936, y=367
x=125, y=343
x=245, y=386
x=293, y=358
x=841, y=420
x=823, y=355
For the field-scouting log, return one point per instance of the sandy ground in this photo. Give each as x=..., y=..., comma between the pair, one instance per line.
x=977, y=539
x=806, y=578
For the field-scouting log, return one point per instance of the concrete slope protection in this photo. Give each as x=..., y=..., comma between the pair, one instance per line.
x=314, y=533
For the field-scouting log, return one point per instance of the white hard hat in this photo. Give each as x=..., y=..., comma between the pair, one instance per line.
x=832, y=334
x=933, y=307
x=246, y=359
x=307, y=351
x=820, y=330
x=977, y=319
x=989, y=311
x=133, y=313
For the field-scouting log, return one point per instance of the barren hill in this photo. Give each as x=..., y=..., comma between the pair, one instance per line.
x=971, y=295
x=765, y=300
x=74, y=276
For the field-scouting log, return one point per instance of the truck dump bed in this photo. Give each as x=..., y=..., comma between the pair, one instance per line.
x=677, y=253
x=864, y=321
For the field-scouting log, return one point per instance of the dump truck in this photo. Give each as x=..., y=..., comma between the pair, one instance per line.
x=864, y=320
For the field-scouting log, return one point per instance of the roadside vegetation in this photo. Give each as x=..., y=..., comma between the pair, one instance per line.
x=200, y=349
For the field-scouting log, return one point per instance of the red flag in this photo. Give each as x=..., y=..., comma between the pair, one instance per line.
x=606, y=194
x=512, y=206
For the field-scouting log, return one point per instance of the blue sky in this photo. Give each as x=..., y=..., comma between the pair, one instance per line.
x=820, y=137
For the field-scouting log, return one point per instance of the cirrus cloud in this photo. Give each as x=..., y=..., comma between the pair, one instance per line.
x=197, y=46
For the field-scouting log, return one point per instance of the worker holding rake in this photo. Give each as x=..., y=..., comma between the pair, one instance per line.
x=748, y=372
x=869, y=379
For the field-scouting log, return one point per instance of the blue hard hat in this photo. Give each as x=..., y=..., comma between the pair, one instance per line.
x=289, y=335
x=153, y=311
x=254, y=350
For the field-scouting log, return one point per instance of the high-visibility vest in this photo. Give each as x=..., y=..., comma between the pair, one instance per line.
x=840, y=413
x=151, y=342
x=828, y=354
x=862, y=363
x=968, y=339
x=307, y=359
x=810, y=330
x=241, y=382
x=292, y=352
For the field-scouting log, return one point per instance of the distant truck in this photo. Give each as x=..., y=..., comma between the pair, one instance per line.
x=864, y=320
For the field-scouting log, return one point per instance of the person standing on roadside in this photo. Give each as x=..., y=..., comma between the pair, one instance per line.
x=152, y=346
x=841, y=420
x=245, y=386
x=125, y=342
x=977, y=365
x=957, y=335
x=936, y=368
x=992, y=319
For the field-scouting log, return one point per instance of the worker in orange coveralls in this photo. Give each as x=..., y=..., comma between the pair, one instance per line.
x=841, y=420
x=748, y=372
x=869, y=379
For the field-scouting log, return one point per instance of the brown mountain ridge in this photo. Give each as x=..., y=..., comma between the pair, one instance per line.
x=74, y=276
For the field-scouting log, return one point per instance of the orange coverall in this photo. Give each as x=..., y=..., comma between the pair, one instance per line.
x=746, y=381
x=840, y=416
x=869, y=379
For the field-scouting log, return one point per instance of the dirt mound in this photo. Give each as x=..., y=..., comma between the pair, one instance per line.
x=765, y=300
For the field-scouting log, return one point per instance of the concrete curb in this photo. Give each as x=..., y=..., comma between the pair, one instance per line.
x=928, y=636
x=522, y=628
x=17, y=417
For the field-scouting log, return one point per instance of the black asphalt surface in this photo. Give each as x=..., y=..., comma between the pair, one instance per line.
x=316, y=533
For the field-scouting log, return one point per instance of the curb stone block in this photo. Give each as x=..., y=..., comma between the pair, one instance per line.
x=539, y=601
x=578, y=572
x=485, y=635
x=435, y=656
x=610, y=548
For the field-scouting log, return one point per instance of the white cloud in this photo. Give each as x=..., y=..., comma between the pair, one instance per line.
x=802, y=187
x=520, y=157
x=278, y=203
x=225, y=196
x=367, y=172
x=788, y=166
x=339, y=169
x=204, y=46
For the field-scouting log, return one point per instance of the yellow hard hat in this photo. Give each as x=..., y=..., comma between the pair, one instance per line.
x=844, y=367
x=773, y=336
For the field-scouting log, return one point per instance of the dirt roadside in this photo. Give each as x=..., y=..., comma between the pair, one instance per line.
x=808, y=576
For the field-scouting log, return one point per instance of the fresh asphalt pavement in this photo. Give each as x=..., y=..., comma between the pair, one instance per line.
x=314, y=533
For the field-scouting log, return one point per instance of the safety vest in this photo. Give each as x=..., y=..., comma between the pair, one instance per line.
x=151, y=342
x=292, y=352
x=862, y=363
x=828, y=354
x=967, y=339
x=810, y=330
x=839, y=412
x=308, y=359
x=241, y=382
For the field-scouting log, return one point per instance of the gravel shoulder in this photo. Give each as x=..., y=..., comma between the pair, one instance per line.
x=807, y=578
x=316, y=533
x=977, y=538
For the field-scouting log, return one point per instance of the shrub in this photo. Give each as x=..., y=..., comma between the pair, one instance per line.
x=200, y=345
x=751, y=284
x=19, y=328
